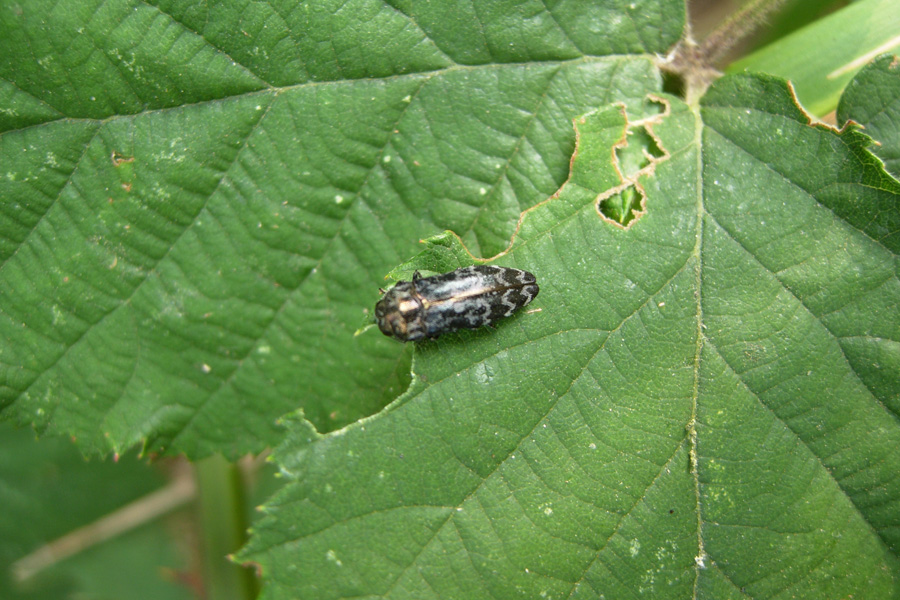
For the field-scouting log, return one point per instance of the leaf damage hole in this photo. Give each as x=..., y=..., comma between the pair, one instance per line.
x=622, y=207
x=639, y=151
x=119, y=159
x=634, y=156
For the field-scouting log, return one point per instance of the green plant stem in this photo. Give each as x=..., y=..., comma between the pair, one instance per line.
x=221, y=502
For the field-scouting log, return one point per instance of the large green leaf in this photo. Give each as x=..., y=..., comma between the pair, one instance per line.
x=705, y=406
x=201, y=201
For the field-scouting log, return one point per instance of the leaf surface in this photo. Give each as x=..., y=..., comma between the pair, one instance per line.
x=702, y=401
x=705, y=405
x=202, y=201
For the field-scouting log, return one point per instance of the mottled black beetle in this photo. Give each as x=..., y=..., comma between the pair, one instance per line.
x=466, y=298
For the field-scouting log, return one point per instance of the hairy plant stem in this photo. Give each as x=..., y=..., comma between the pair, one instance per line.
x=695, y=63
x=737, y=27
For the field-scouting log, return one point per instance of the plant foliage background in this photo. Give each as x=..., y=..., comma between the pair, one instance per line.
x=201, y=201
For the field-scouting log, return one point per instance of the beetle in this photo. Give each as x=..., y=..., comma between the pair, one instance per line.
x=466, y=298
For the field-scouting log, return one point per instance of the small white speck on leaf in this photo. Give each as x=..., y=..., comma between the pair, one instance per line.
x=331, y=555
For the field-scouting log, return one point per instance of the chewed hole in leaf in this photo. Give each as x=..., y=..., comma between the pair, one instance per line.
x=624, y=206
x=638, y=152
x=654, y=107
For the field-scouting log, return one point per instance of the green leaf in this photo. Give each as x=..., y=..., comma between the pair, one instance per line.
x=705, y=406
x=820, y=59
x=443, y=252
x=872, y=99
x=200, y=202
